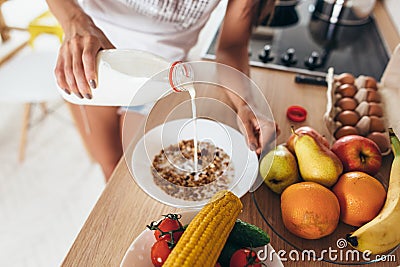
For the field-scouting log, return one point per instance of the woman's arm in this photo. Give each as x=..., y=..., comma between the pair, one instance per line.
x=235, y=34
x=65, y=10
x=76, y=64
x=232, y=50
x=233, y=40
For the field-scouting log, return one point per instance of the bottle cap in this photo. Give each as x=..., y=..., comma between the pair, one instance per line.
x=180, y=74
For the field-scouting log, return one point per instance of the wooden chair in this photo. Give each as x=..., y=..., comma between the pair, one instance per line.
x=26, y=67
x=44, y=24
x=4, y=30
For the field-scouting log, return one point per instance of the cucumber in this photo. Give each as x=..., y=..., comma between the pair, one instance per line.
x=226, y=253
x=248, y=235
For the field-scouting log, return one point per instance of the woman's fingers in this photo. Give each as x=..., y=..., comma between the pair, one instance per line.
x=89, y=63
x=69, y=72
x=60, y=74
x=257, y=134
x=259, y=130
x=269, y=130
x=91, y=47
x=77, y=47
x=76, y=66
x=252, y=137
x=246, y=127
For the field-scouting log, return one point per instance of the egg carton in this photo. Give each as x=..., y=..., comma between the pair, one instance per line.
x=361, y=105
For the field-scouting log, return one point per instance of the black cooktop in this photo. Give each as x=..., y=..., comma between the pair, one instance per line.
x=311, y=46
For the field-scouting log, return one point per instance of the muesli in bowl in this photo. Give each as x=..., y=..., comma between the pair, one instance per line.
x=174, y=171
x=223, y=156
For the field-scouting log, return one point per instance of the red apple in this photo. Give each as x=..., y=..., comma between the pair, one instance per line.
x=306, y=130
x=358, y=153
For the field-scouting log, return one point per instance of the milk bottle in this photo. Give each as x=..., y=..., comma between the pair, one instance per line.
x=121, y=73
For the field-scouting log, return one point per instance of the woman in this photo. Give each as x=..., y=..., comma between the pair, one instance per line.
x=168, y=28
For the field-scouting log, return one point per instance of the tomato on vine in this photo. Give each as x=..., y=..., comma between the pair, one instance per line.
x=159, y=252
x=245, y=258
x=169, y=229
x=167, y=226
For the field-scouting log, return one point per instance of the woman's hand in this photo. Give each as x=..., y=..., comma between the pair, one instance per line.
x=76, y=64
x=259, y=130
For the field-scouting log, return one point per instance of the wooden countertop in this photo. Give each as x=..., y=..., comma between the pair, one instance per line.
x=123, y=209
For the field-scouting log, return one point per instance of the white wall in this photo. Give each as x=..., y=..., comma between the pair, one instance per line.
x=18, y=13
x=393, y=8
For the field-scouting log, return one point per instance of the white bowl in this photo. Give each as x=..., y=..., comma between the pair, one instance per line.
x=138, y=253
x=244, y=160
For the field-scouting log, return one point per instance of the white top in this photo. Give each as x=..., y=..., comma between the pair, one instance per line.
x=168, y=28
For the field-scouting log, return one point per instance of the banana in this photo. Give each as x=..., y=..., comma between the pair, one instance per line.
x=383, y=232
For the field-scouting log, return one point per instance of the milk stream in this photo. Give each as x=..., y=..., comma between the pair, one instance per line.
x=192, y=93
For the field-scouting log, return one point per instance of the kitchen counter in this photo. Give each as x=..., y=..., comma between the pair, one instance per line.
x=123, y=209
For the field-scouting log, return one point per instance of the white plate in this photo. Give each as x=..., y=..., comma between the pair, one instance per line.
x=244, y=160
x=138, y=253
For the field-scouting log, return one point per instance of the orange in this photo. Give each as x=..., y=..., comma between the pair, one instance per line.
x=360, y=196
x=309, y=210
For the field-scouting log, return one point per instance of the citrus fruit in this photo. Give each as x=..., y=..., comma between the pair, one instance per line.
x=309, y=210
x=360, y=196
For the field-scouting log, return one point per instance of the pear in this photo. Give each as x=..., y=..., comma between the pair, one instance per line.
x=279, y=169
x=317, y=163
x=305, y=130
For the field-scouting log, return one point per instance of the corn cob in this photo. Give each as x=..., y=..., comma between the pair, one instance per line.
x=203, y=240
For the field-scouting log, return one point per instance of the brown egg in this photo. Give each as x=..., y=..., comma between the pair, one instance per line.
x=373, y=96
x=346, y=90
x=345, y=130
x=370, y=82
x=375, y=109
x=382, y=140
x=377, y=124
x=348, y=117
x=345, y=78
x=347, y=103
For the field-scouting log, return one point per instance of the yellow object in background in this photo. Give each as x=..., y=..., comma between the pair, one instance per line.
x=45, y=23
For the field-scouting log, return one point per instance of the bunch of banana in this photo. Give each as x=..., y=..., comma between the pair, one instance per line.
x=383, y=232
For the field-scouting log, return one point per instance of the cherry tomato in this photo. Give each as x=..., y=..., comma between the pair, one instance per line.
x=296, y=114
x=244, y=258
x=159, y=252
x=167, y=225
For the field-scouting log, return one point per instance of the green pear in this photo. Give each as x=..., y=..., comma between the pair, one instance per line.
x=279, y=169
x=317, y=163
